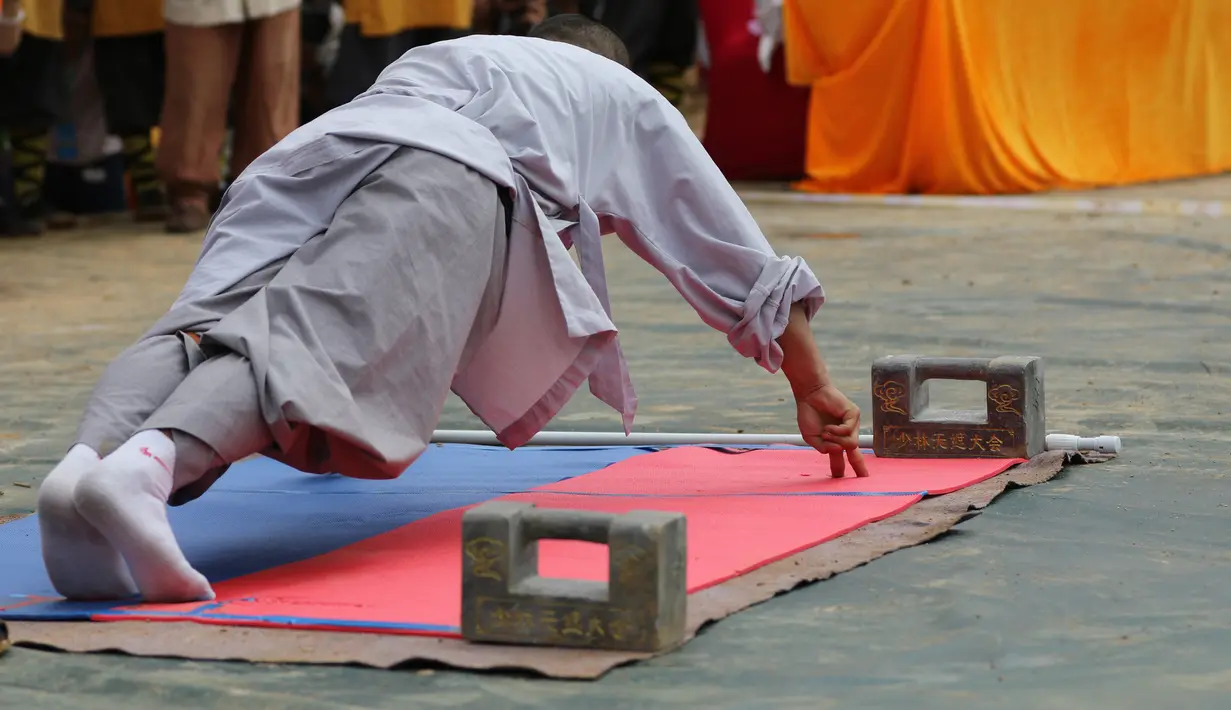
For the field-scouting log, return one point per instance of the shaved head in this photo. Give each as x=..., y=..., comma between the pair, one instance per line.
x=581, y=31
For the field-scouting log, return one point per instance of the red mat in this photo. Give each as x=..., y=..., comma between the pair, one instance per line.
x=744, y=511
x=693, y=471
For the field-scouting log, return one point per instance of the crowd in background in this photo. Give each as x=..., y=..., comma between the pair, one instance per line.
x=151, y=105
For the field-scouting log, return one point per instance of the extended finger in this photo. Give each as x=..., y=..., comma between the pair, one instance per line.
x=857, y=462
x=837, y=464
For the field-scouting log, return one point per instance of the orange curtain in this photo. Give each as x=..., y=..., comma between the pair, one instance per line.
x=126, y=18
x=1007, y=96
x=44, y=18
x=382, y=18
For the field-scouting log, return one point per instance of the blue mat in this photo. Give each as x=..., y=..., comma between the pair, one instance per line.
x=263, y=514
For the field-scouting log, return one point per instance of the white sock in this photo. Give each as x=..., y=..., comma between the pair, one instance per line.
x=125, y=497
x=82, y=564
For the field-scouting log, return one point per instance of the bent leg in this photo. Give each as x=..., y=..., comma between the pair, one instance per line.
x=212, y=419
x=355, y=343
x=341, y=363
x=80, y=561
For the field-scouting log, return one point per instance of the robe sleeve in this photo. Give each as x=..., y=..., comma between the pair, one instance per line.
x=669, y=203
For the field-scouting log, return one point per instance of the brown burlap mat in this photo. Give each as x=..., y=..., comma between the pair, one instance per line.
x=919, y=523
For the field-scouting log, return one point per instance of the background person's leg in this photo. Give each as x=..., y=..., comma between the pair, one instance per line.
x=676, y=50
x=200, y=73
x=637, y=22
x=266, y=98
x=33, y=93
x=131, y=74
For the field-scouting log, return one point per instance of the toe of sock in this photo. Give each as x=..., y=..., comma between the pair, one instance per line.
x=186, y=585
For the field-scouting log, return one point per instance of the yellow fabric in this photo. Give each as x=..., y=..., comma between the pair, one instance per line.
x=382, y=18
x=44, y=18
x=1007, y=96
x=126, y=18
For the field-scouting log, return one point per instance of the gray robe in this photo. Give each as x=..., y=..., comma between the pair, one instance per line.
x=576, y=138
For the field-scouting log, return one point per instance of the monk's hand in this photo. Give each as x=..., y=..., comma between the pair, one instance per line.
x=829, y=423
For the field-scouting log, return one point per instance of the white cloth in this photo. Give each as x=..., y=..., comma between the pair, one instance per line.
x=210, y=13
x=579, y=139
x=769, y=29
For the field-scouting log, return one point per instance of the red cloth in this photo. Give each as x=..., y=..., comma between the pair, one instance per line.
x=757, y=125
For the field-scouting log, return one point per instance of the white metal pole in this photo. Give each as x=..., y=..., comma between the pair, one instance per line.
x=1102, y=444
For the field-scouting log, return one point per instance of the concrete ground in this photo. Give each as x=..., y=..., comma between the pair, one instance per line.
x=1107, y=587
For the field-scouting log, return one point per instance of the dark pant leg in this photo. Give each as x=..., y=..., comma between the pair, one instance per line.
x=33, y=94
x=638, y=23
x=131, y=74
x=361, y=59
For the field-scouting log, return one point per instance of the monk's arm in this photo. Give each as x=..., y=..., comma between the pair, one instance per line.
x=802, y=363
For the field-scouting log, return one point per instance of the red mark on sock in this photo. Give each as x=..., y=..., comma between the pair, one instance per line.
x=146, y=453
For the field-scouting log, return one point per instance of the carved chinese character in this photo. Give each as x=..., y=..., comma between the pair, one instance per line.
x=630, y=565
x=889, y=393
x=595, y=628
x=619, y=629
x=504, y=618
x=941, y=443
x=549, y=620
x=976, y=442
x=994, y=443
x=571, y=624
x=1004, y=397
x=485, y=555
x=959, y=441
x=921, y=441
x=904, y=440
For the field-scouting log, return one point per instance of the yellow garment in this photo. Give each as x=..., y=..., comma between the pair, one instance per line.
x=382, y=18
x=44, y=18
x=1006, y=96
x=126, y=18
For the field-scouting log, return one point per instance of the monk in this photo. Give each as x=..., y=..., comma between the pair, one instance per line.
x=404, y=245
